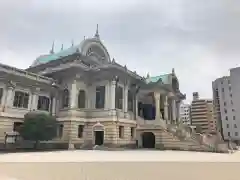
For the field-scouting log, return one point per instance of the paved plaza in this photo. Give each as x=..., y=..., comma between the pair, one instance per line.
x=120, y=156
x=126, y=165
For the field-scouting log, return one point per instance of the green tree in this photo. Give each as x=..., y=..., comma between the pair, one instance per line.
x=38, y=127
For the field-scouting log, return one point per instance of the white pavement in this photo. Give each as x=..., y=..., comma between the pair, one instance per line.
x=120, y=156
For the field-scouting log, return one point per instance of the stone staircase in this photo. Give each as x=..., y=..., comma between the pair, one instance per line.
x=171, y=140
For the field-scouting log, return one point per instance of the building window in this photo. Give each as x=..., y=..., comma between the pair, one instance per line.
x=132, y=132
x=121, y=131
x=229, y=82
x=119, y=97
x=227, y=125
x=222, y=89
x=43, y=103
x=130, y=101
x=100, y=97
x=233, y=110
x=235, y=126
x=225, y=110
x=230, y=89
x=226, y=118
x=60, y=130
x=1, y=95
x=80, y=131
x=234, y=118
x=229, y=134
x=231, y=95
x=21, y=99
x=231, y=102
x=65, y=98
x=236, y=133
x=81, y=99
x=225, y=103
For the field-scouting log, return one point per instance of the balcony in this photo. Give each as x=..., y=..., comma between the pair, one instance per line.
x=95, y=113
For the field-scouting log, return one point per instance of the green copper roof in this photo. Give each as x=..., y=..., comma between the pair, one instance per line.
x=55, y=56
x=164, y=78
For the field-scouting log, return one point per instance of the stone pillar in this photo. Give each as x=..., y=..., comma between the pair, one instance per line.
x=178, y=111
x=125, y=98
x=157, y=106
x=136, y=105
x=107, y=98
x=166, y=109
x=73, y=95
x=34, y=99
x=10, y=96
x=53, y=104
x=4, y=97
x=174, y=110
x=113, y=94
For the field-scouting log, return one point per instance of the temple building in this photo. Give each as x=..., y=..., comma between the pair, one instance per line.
x=96, y=100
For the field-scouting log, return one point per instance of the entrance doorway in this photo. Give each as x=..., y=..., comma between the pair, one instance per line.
x=148, y=140
x=99, y=137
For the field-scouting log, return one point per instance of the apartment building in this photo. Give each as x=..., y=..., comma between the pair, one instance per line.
x=226, y=95
x=185, y=113
x=202, y=114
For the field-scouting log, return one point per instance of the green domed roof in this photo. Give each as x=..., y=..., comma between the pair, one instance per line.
x=54, y=56
x=165, y=78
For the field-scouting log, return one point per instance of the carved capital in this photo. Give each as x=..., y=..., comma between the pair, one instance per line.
x=157, y=95
x=35, y=90
x=11, y=85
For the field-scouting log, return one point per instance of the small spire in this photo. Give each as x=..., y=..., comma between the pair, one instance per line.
x=84, y=37
x=148, y=76
x=62, y=47
x=173, y=71
x=52, y=50
x=113, y=60
x=97, y=34
x=72, y=43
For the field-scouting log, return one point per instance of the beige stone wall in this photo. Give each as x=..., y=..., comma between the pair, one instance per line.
x=111, y=132
x=6, y=125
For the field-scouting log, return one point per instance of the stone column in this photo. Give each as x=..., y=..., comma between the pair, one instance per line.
x=166, y=109
x=136, y=105
x=10, y=96
x=126, y=98
x=73, y=95
x=53, y=104
x=174, y=110
x=113, y=94
x=157, y=106
x=4, y=97
x=34, y=99
x=107, y=98
x=178, y=111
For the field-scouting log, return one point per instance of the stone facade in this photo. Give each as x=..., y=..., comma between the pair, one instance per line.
x=89, y=93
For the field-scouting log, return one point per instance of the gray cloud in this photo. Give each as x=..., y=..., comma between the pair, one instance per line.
x=198, y=38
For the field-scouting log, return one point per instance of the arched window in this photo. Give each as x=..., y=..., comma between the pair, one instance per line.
x=81, y=99
x=65, y=99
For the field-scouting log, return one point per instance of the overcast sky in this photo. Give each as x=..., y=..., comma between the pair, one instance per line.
x=199, y=38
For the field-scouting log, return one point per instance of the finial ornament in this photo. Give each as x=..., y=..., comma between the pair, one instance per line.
x=52, y=50
x=173, y=71
x=72, y=43
x=148, y=76
x=97, y=34
x=62, y=47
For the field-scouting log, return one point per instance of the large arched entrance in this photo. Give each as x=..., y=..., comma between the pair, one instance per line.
x=148, y=140
x=98, y=130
